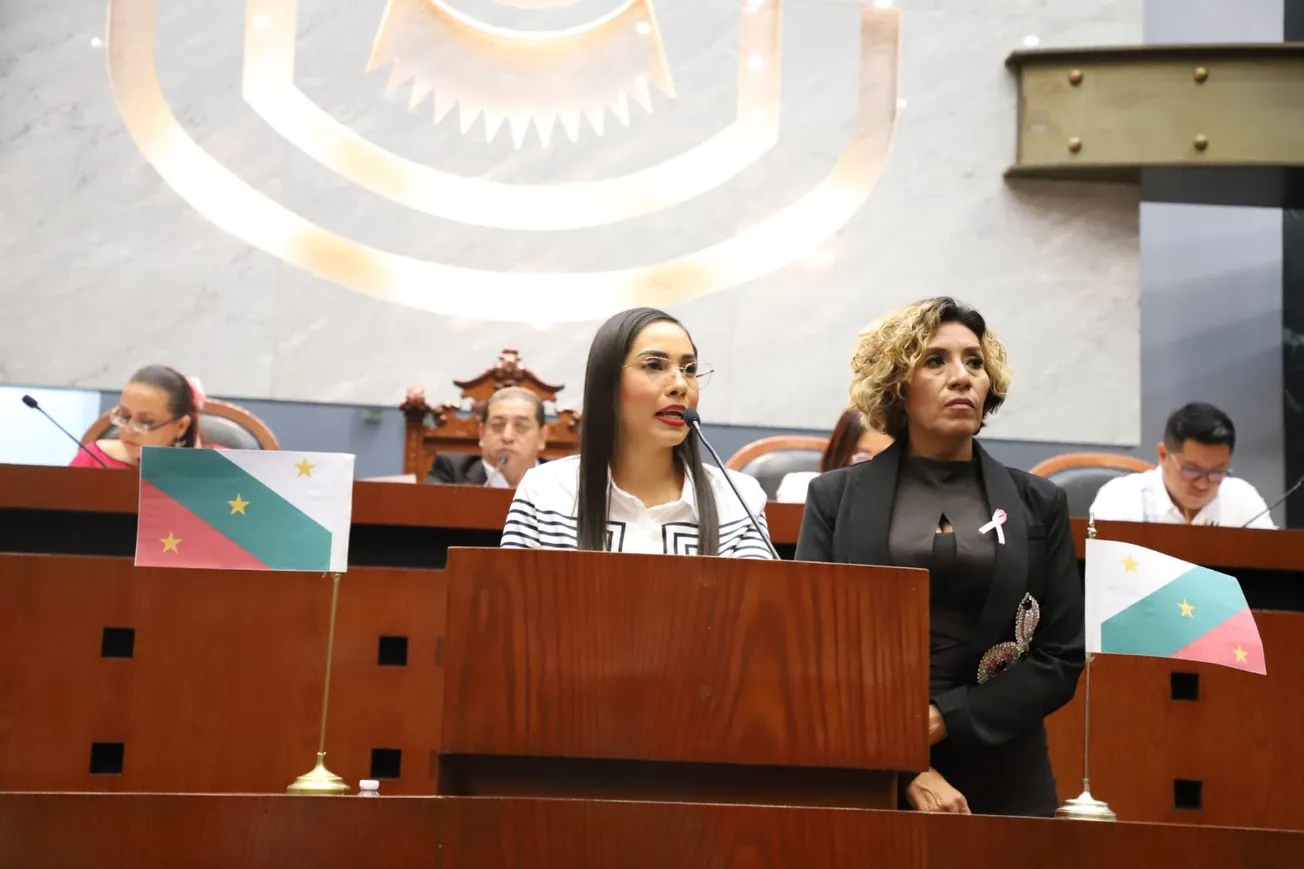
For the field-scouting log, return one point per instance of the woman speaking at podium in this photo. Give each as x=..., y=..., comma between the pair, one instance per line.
x=639, y=483
x=1005, y=594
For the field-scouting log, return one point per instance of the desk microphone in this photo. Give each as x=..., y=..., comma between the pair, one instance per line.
x=1277, y=503
x=31, y=402
x=694, y=420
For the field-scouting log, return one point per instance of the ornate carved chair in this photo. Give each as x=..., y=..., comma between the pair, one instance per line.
x=770, y=459
x=1082, y=474
x=455, y=427
x=220, y=424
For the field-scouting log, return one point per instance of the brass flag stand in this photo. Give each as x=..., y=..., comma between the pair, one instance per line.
x=320, y=781
x=1085, y=807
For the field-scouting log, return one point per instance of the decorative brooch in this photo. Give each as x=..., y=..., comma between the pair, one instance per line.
x=1002, y=655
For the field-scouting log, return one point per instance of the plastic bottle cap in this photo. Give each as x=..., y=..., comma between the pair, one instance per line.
x=369, y=784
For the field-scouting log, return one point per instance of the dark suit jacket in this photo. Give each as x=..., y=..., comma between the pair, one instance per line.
x=995, y=749
x=464, y=469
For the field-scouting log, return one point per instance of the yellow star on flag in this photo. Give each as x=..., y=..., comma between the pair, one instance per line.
x=1129, y=564
x=238, y=505
x=305, y=467
x=1186, y=609
x=1239, y=653
x=170, y=543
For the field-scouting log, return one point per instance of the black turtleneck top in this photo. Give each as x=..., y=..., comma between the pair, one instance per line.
x=931, y=495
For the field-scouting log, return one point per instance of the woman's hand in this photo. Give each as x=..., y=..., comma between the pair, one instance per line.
x=936, y=725
x=929, y=792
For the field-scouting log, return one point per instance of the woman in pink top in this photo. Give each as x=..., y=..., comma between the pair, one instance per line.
x=158, y=408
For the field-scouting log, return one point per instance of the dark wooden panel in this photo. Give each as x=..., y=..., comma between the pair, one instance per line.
x=94, y=490
x=579, y=834
x=74, y=831
x=152, y=831
x=1239, y=738
x=699, y=660
x=644, y=781
x=218, y=696
x=224, y=690
x=374, y=706
x=1038, y=843
x=1212, y=547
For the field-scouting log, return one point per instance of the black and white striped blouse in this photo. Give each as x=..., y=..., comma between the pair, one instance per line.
x=543, y=515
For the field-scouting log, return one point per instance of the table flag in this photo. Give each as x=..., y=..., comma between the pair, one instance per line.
x=244, y=509
x=1142, y=602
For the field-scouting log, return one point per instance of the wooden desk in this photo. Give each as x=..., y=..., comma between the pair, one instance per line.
x=60, y=831
x=95, y=490
x=222, y=693
x=472, y=515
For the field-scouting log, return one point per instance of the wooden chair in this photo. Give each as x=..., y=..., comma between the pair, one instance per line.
x=1081, y=475
x=770, y=459
x=220, y=424
x=455, y=427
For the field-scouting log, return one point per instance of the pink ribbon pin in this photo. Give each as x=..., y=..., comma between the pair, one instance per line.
x=998, y=519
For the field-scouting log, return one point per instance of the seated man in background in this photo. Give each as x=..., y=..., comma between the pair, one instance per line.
x=1191, y=484
x=512, y=435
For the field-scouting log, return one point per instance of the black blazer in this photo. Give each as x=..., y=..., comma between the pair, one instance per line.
x=995, y=744
x=465, y=469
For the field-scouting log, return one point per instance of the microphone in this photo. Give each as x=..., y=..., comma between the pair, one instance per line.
x=1275, y=504
x=694, y=420
x=31, y=402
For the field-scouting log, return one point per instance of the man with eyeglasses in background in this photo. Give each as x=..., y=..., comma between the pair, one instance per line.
x=512, y=435
x=1192, y=483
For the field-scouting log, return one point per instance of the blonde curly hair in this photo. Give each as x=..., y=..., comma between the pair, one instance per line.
x=891, y=347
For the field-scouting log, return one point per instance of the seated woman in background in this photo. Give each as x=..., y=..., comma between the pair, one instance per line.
x=639, y=483
x=158, y=408
x=851, y=443
x=1005, y=600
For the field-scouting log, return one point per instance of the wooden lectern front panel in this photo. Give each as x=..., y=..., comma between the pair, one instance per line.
x=706, y=660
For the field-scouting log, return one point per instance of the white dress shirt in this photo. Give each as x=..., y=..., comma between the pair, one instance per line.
x=494, y=479
x=544, y=514
x=1143, y=497
x=793, y=486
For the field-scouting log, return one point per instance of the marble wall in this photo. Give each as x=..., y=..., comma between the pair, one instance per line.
x=280, y=223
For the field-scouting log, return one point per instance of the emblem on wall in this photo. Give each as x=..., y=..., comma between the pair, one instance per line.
x=549, y=89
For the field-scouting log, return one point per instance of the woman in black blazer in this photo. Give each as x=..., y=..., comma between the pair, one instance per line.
x=1006, y=597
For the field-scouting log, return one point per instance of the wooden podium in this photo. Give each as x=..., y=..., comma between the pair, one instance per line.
x=682, y=679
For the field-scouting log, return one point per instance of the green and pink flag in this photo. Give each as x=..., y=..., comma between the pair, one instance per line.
x=244, y=509
x=1142, y=602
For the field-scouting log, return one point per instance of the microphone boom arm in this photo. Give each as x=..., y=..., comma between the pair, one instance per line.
x=695, y=422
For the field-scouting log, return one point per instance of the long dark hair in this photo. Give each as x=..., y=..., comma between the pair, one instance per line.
x=181, y=399
x=601, y=426
x=843, y=441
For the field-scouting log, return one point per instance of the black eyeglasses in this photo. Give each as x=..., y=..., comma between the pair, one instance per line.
x=1193, y=473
